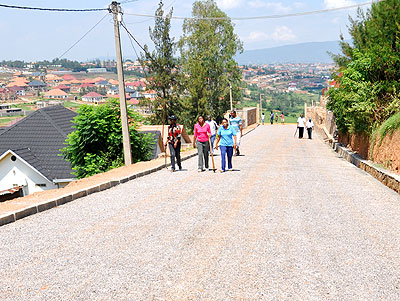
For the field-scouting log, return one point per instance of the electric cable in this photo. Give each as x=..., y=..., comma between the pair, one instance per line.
x=131, y=35
x=54, y=9
x=73, y=45
x=321, y=11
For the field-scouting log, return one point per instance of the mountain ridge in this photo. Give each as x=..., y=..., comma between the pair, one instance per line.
x=309, y=52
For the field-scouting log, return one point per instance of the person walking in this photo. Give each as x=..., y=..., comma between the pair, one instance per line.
x=282, y=118
x=301, y=122
x=272, y=117
x=310, y=127
x=213, y=127
x=262, y=118
x=276, y=117
x=202, y=132
x=174, y=142
x=227, y=135
x=236, y=122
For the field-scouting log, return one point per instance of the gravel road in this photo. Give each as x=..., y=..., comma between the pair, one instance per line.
x=291, y=222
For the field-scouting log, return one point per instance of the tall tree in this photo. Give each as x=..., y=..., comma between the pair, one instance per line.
x=207, y=48
x=162, y=66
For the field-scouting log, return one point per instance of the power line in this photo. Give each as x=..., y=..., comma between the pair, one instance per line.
x=321, y=11
x=53, y=9
x=73, y=45
x=131, y=35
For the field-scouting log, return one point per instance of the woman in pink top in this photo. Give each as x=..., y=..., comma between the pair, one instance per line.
x=201, y=133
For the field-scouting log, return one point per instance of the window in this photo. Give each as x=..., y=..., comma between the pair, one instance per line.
x=40, y=185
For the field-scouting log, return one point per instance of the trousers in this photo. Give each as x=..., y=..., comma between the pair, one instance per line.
x=212, y=139
x=309, y=131
x=202, y=153
x=226, y=150
x=175, y=153
x=301, y=132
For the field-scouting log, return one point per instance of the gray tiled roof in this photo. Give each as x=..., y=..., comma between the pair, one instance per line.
x=37, y=83
x=38, y=139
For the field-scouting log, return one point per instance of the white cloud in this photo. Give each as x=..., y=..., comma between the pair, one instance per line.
x=275, y=7
x=283, y=33
x=257, y=36
x=229, y=4
x=338, y=3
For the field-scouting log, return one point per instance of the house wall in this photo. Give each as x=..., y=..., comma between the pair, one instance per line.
x=17, y=173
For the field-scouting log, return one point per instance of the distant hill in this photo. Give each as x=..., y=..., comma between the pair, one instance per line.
x=314, y=52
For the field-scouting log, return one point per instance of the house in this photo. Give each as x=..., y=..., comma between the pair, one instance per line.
x=97, y=70
x=56, y=94
x=103, y=84
x=53, y=79
x=150, y=94
x=20, y=91
x=30, y=156
x=113, y=91
x=37, y=85
x=65, y=88
x=68, y=77
x=93, y=97
x=84, y=86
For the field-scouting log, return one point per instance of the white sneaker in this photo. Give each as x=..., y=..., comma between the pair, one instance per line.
x=199, y=170
x=230, y=169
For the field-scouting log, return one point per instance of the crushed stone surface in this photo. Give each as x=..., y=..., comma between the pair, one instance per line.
x=291, y=222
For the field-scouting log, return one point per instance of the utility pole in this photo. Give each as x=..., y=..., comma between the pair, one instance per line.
x=230, y=95
x=115, y=8
x=261, y=105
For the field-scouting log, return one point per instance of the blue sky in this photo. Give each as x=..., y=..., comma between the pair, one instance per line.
x=36, y=35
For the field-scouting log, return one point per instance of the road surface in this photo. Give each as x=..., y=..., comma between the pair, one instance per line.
x=292, y=222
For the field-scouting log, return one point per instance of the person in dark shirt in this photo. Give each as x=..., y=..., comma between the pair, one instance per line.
x=174, y=142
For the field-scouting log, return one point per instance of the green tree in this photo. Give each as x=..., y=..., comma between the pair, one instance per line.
x=368, y=72
x=96, y=144
x=162, y=67
x=207, y=48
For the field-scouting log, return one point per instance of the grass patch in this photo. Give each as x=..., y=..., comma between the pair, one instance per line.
x=390, y=125
x=6, y=120
x=71, y=104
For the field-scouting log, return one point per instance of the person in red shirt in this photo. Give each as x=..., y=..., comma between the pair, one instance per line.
x=202, y=132
x=174, y=142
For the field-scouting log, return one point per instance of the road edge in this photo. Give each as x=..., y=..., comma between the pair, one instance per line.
x=387, y=178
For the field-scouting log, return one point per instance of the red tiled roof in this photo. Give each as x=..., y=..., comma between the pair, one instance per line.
x=55, y=92
x=93, y=94
x=61, y=87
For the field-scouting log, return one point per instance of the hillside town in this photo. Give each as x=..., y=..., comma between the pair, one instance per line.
x=24, y=89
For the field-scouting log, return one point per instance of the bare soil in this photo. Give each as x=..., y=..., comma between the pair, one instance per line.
x=387, y=152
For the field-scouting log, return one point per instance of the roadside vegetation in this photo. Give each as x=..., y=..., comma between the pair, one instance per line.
x=366, y=93
x=96, y=144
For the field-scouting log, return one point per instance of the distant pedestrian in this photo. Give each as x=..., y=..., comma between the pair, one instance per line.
x=276, y=117
x=301, y=122
x=262, y=118
x=272, y=117
x=227, y=135
x=236, y=122
x=310, y=127
x=282, y=118
x=201, y=134
x=213, y=127
x=174, y=142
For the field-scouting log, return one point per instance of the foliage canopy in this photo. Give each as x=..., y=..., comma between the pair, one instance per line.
x=368, y=72
x=96, y=144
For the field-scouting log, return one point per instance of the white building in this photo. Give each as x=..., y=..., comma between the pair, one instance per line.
x=30, y=156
